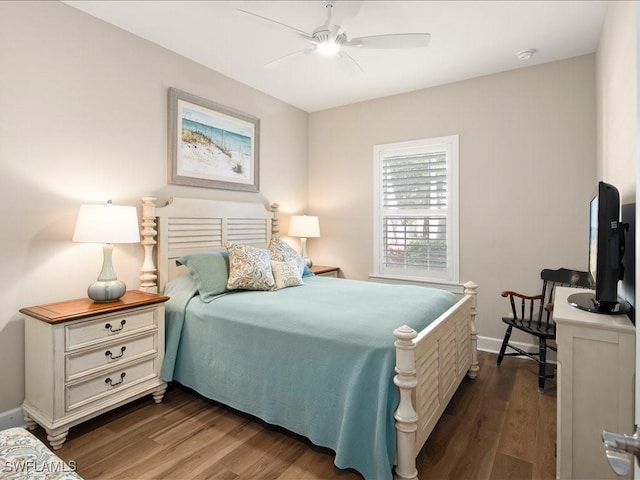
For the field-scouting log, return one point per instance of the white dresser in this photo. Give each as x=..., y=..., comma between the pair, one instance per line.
x=83, y=359
x=596, y=366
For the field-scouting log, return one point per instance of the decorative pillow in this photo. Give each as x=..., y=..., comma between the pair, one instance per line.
x=281, y=252
x=307, y=272
x=210, y=272
x=286, y=274
x=249, y=268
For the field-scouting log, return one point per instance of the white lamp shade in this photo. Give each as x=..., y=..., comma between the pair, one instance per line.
x=304, y=226
x=107, y=224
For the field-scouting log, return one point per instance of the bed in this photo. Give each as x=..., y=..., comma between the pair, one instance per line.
x=317, y=359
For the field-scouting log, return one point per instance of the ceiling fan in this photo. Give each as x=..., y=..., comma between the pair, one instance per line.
x=330, y=39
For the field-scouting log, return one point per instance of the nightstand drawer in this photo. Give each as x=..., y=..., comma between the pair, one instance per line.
x=107, y=355
x=85, y=333
x=111, y=383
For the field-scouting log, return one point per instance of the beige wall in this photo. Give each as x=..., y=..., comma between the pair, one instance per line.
x=83, y=119
x=616, y=83
x=617, y=100
x=527, y=172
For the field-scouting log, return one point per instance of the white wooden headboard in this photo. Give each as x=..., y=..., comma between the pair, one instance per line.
x=189, y=225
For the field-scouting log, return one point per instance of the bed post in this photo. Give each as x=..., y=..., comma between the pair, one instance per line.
x=406, y=416
x=148, y=275
x=275, y=222
x=471, y=288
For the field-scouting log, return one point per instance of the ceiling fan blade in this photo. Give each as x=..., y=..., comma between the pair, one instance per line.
x=303, y=34
x=349, y=58
x=278, y=61
x=393, y=40
x=346, y=12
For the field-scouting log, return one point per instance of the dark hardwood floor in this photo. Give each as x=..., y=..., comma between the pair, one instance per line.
x=496, y=427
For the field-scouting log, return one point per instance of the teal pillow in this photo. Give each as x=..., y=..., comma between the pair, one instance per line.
x=307, y=272
x=210, y=272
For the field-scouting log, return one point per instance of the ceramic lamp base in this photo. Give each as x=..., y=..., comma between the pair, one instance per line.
x=303, y=245
x=107, y=288
x=106, y=291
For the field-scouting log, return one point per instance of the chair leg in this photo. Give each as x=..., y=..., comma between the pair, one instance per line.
x=542, y=373
x=505, y=342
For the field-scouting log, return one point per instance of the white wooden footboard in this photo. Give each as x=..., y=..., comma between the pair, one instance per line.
x=430, y=366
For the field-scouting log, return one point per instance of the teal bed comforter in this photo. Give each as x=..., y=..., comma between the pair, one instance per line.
x=317, y=359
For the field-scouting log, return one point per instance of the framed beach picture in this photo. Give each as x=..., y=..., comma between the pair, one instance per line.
x=211, y=145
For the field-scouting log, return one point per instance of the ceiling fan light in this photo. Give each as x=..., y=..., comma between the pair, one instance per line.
x=328, y=48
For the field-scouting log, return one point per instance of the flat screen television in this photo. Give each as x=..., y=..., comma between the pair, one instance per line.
x=606, y=249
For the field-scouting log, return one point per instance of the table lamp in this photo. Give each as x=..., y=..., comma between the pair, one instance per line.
x=304, y=226
x=107, y=224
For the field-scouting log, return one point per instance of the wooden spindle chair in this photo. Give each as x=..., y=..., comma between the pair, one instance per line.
x=533, y=315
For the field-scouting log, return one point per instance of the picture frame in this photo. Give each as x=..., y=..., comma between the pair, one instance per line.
x=210, y=145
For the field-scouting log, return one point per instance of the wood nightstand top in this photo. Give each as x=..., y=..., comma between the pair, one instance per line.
x=320, y=269
x=85, y=307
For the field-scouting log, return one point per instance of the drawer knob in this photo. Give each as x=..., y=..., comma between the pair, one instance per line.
x=109, y=327
x=110, y=355
x=110, y=382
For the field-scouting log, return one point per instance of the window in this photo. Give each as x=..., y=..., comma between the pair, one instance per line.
x=416, y=210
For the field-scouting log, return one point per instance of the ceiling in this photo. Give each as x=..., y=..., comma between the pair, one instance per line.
x=468, y=39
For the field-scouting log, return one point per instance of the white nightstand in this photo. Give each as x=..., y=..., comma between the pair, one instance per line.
x=83, y=359
x=325, y=271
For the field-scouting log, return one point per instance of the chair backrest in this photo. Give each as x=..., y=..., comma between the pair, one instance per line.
x=533, y=313
x=562, y=277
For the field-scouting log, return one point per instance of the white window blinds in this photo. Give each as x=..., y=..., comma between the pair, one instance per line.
x=416, y=209
x=418, y=242
x=415, y=181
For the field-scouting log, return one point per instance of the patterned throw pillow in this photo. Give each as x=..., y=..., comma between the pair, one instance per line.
x=249, y=268
x=286, y=274
x=282, y=252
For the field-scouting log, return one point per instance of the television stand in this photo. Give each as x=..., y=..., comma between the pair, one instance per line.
x=587, y=301
x=596, y=375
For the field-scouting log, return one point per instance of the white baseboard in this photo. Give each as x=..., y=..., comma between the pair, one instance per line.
x=489, y=344
x=11, y=418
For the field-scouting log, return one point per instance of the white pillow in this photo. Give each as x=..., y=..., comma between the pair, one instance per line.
x=286, y=274
x=249, y=268
x=281, y=252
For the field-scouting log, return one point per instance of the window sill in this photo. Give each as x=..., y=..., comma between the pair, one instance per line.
x=450, y=287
